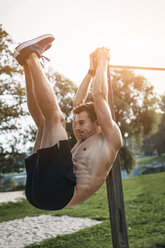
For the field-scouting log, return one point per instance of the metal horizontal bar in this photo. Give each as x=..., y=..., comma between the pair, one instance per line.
x=136, y=67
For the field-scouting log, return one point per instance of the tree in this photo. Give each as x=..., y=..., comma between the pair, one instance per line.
x=135, y=111
x=11, y=162
x=156, y=142
x=160, y=135
x=11, y=91
x=11, y=102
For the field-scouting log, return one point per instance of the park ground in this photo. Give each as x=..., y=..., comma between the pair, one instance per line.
x=145, y=212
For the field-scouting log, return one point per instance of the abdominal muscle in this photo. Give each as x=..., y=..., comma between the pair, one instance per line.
x=92, y=161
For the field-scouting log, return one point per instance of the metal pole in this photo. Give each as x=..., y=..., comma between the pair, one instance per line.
x=137, y=67
x=115, y=193
x=114, y=181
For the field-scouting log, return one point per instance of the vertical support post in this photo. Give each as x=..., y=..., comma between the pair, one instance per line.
x=115, y=192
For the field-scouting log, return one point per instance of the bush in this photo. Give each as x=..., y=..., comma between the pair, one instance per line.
x=128, y=163
x=8, y=184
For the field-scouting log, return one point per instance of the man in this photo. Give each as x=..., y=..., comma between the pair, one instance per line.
x=55, y=177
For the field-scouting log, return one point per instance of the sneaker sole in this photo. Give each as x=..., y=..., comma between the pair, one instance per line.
x=33, y=41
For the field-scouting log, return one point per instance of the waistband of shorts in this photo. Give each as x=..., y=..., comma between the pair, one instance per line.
x=61, y=144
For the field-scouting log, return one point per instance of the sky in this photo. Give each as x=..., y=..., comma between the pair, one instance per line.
x=132, y=29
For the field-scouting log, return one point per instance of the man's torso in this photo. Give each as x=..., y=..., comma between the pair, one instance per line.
x=92, y=161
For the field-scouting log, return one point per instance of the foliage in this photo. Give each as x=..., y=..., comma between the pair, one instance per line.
x=10, y=184
x=156, y=142
x=11, y=91
x=159, y=137
x=127, y=160
x=135, y=104
x=7, y=185
x=11, y=104
x=135, y=111
x=144, y=205
x=11, y=162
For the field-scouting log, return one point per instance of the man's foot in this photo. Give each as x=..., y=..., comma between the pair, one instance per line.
x=38, y=45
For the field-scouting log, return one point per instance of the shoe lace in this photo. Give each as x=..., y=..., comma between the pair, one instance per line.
x=43, y=57
x=43, y=60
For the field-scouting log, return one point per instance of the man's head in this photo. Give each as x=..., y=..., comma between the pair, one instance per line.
x=85, y=120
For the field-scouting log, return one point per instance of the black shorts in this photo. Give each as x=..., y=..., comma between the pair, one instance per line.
x=50, y=179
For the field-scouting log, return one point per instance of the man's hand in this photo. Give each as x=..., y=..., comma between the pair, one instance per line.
x=103, y=56
x=93, y=60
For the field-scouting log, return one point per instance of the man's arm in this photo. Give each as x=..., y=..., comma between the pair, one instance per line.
x=82, y=91
x=84, y=88
x=109, y=128
x=80, y=98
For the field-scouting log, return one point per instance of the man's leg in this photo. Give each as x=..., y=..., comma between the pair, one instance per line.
x=41, y=185
x=53, y=178
x=54, y=124
x=39, y=121
x=50, y=178
x=33, y=107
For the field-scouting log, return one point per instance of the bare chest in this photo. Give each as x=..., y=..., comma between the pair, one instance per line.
x=91, y=154
x=92, y=161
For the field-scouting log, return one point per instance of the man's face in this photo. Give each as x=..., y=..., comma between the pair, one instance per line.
x=84, y=126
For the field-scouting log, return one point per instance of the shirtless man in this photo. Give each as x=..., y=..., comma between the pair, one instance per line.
x=55, y=177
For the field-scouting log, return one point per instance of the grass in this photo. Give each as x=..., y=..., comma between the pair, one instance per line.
x=151, y=159
x=145, y=212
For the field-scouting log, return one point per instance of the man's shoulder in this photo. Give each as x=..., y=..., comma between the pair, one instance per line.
x=96, y=136
x=97, y=139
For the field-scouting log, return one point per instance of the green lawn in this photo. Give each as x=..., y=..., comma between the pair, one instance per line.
x=145, y=212
x=151, y=159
